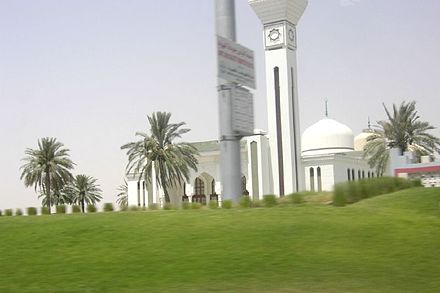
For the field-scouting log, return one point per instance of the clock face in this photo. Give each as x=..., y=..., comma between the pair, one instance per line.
x=291, y=35
x=274, y=35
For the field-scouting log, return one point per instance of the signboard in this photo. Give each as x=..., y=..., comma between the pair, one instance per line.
x=235, y=63
x=242, y=112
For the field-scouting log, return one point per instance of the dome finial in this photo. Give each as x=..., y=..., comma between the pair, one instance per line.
x=369, y=123
x=326, y=108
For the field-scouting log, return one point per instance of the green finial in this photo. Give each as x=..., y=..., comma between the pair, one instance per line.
x=326, y=108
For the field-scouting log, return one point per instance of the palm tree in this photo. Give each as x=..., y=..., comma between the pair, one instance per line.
x=402, y=130
x=172, y=161
x=122, y=200
x=47, y=169
x=84, y=190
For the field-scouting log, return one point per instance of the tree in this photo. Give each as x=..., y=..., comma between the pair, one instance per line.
x=402, y=130
x=84, y=190
x=47, y=169
x=172, y=161
x=122, y=200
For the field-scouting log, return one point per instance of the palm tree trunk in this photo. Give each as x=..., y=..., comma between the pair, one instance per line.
x=49, y=203
x=82, y=205
x=163, y=182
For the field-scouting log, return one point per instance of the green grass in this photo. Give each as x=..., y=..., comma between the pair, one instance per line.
x=384, y=244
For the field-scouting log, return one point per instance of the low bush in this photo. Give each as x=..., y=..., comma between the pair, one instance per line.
x=153, y=206
x=8, y=212
x=31, y=211
x=168, y=206
x=227, y=204
x=60, y=209
x=91, y=208
x=123, y=208
x=76, y=209
x=108, y=207
x=186, y=205
x=354, y=191
x=45, y=211
x=269, y=200
x=18, y=212
x=257, y=203
x=296, y=198
x=196, y=206
x=213, y=204
x=134, y=208
x=245, y=202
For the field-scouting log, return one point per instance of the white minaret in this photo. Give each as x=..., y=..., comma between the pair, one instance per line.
x=280, y=18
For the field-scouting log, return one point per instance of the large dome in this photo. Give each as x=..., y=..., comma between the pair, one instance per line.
x=327, y=136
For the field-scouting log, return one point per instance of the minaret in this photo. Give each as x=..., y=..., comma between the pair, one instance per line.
x=279, y=18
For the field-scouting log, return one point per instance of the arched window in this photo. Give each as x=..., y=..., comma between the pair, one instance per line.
x=352, y=175
x=312, y=179
x=348, y=174
x=318, y=173
x=243, y=186
x=372, y=174
x=139, y=193
x=213, y=195
x=359, y=175
x=199, y=187
x=199, y=191
x=369, y=174
x=363, y=174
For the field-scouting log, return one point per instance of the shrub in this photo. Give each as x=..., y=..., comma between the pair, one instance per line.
x=196, y=206
x=18, y=212
x=134, y=208
x=227, y=204
x=257, y=203
x=167, y=206
x=186, y=205
x=270, y=200
x=296, y=198
x=91, y=208
x=31, y=211
x=76, y=209
x=354, y=191
x=153, y=206
x=60, y=209
x=213, y=204
x=245, y=202
x=0, y=213
x=339, y=195
x=45, y=211
x=8, y=212
x=108, y=207
x=123, y=208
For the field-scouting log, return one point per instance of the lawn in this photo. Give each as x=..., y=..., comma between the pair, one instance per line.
x=390, y=243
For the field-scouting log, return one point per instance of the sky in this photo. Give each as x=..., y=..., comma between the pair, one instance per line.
x=88, y=72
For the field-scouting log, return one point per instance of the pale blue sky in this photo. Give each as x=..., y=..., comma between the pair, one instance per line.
x=89, y=71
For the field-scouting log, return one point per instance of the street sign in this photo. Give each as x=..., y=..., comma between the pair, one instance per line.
x=235, y=63
x=242, y=112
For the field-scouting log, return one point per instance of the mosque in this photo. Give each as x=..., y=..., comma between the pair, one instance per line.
x=280, y=161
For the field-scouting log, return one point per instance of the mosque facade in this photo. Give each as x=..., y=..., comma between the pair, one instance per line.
x=281, y=161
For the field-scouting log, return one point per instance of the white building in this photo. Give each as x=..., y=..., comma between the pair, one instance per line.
x=276, y=162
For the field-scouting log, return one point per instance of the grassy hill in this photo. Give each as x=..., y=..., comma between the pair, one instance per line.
x=390, y=243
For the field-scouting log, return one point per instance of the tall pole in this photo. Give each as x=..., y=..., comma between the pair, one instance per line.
x=229, y=142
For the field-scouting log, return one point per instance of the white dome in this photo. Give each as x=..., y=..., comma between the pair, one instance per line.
x=361, y=140
x=327, y=136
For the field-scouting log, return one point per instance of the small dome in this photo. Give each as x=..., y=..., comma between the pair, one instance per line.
x=361, y=140
x=327, y=136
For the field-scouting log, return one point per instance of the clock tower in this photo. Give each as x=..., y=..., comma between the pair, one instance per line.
x=279, y=18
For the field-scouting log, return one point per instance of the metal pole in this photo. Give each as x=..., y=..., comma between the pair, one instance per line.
x=229, y=142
